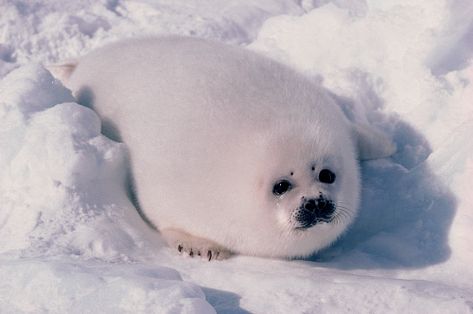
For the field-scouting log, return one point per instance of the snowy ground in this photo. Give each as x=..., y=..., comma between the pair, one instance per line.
x=70, y=241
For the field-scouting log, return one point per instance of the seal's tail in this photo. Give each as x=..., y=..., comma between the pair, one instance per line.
x=63, y=71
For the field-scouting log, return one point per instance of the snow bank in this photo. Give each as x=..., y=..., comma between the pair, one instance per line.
x=70, y=240
x=57, y=169
x=271, y=286
x=36, y=286
x=51, y=31
x=385, y=54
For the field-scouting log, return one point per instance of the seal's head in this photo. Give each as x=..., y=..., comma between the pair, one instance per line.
x=310, y=188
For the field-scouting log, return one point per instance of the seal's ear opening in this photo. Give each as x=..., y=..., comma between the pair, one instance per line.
x=371, y=143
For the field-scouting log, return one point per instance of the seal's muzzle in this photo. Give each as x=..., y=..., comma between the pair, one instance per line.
x=314, y=210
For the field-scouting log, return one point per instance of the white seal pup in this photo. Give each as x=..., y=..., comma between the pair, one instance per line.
x=231, y=152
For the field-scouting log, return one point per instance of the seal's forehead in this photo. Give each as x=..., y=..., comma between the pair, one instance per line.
x=303, y=151
x=303, y=143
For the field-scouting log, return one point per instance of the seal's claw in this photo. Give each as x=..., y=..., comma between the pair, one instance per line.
x=194, y=246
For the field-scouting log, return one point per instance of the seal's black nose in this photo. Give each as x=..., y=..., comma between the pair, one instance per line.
x=314, y=210
x=310, y=205
x=320, y=207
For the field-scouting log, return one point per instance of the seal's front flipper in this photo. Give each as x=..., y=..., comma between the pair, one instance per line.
x=194, y=246
x=371, y=143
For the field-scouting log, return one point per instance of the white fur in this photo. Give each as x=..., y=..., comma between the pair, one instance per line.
x=211, y=127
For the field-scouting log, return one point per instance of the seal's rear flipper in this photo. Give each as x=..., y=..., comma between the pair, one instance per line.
x=371, y=143
x=63, y=71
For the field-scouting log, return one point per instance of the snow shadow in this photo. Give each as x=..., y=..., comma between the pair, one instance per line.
x=85, y=96
x=405, y=213
x=224, y=301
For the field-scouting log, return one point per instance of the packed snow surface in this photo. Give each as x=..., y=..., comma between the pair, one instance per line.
x=71, y=241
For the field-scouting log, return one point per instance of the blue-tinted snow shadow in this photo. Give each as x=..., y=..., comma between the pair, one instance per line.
x=405, y=214
x=224, y=301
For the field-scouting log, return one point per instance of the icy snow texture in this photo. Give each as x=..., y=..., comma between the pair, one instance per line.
x=58, y=287
x=71, y=241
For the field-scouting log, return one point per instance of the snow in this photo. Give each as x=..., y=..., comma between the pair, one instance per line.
x=61, y=287
x=71, y=241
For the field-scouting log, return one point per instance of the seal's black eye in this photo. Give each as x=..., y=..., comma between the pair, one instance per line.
x=281, y=187
x=326, y=176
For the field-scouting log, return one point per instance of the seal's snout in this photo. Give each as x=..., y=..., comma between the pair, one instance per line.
x=320, y=207
x=314, y=210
